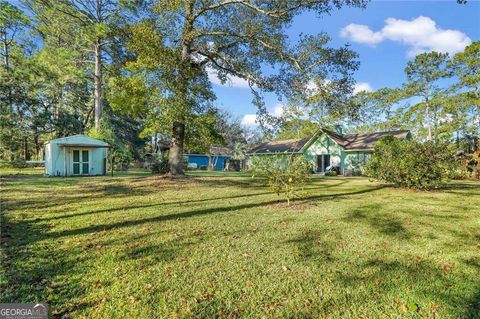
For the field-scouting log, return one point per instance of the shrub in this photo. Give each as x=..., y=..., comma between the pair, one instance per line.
x=411, y=164
x=160, y=166
x=19, y=163
x=286, y=174
x=331, y=173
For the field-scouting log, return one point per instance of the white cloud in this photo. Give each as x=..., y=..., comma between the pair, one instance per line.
x=420, y=34
x=249, y=120
x=361, y=33
x=233, y=81
x=278, y=110
x=362, y=86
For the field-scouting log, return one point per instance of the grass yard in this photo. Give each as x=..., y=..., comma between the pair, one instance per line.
x=220, y=245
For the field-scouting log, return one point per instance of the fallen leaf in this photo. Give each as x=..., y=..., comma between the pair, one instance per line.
x=412, y=306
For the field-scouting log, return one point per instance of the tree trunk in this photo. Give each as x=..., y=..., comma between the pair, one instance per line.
x=26, y=154
x=98, y=84
x=175, y=158
x=429, y=125
x=6, y=61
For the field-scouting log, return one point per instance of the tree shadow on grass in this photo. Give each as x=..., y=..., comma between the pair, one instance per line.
x=194, y=213
x=311, y=246
x=34, y=269
x=162, y=204
x=31, y=272
x=425, y=280
x=387, y=224
x=394, y=279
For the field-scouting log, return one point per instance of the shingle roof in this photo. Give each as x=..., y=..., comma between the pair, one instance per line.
x=349, y=142
x=292, y=146
x=218, y=150
x=367, y=141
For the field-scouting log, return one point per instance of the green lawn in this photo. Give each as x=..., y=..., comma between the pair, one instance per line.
x=220, y=245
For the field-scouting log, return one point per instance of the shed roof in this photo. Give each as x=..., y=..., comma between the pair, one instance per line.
x=79, y=140
x=349, y=142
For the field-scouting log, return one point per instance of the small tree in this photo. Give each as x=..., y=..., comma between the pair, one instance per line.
x=411, y=164
x=286, y=174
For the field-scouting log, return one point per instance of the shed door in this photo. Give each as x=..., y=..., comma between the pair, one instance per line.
x=85, y=162
x=81, y=164
x=76, y=162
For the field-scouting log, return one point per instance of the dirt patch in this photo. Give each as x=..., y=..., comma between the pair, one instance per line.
x=296, y=205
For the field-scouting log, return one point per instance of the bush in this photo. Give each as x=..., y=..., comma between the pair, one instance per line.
x=286, y=174
x=19, y=163
x=331, y=173
x=160, y=166
x=411, y=164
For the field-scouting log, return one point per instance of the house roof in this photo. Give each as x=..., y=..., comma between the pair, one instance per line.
x=218, y=150
x=349, y=142
x=367, y=141
x=292, y=146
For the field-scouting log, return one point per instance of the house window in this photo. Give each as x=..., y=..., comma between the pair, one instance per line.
x=323, y=161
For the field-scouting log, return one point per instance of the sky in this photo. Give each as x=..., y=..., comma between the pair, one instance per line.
x=386, y=35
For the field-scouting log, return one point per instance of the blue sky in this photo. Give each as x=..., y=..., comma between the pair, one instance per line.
x=386, y=35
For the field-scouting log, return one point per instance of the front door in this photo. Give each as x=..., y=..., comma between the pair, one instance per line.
x=323, y=161
x=81, y=164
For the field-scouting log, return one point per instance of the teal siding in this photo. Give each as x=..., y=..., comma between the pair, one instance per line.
x=324, y=145
x=356, y=160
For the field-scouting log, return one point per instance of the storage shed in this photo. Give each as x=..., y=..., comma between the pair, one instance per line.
x=217, y=159
x=76, y=155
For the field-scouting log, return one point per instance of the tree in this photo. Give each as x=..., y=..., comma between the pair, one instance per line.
x=466, y=66
x=182, y=42
x=423, y=74
x=12, y=21
x=286, y=174
x=88, y=25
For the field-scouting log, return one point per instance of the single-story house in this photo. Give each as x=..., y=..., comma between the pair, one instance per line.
x=217, y=159
x=330, y=149
x=76, y=155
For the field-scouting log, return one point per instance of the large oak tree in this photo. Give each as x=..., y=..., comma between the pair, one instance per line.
x=179, y=44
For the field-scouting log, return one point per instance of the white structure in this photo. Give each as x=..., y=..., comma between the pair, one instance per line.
x=76, y=155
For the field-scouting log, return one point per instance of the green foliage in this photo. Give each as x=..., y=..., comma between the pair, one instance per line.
x=182, y=44
x=443, y=109
x=411, y=164
x=160, y=166
x=331, y=173
x=286, y=174
x=19, y=163
x=119, y=152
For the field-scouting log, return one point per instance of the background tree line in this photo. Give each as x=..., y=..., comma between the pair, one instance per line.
x=124, y=70
x=439, y=101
